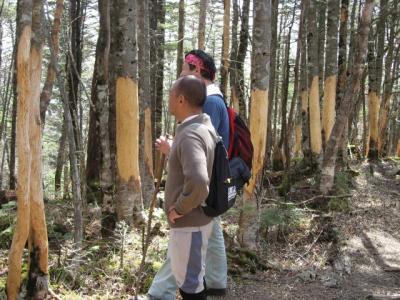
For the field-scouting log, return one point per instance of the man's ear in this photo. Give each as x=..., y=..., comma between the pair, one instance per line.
x=181, y=98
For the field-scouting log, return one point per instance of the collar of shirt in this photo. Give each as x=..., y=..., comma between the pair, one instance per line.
x=213, y=89
x=189, y=118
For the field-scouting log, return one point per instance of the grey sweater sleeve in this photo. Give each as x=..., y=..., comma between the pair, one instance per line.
x=192, y=152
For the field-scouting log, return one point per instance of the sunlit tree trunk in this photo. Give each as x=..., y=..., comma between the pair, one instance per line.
x=258, y=117
x=225, y=47
x=124, y=90
x=331, y=70
x=313, y=80
x=328, y=166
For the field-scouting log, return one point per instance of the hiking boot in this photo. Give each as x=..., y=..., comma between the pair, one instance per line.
x=216, y=292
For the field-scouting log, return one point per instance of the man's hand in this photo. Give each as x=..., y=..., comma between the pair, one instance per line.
x=173, y=215
x=163, y=144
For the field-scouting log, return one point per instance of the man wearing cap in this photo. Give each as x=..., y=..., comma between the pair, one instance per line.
x=201, y=65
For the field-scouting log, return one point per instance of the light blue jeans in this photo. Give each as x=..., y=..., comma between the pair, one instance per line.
x=164, y=285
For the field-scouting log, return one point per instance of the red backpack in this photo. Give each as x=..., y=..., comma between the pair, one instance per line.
x=240, y=144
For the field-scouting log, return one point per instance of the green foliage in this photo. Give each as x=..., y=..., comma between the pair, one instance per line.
x=7, y=224
x=284, y=214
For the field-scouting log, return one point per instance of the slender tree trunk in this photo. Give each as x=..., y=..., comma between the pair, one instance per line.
x=31, y=223
x=181, y=36
x=374, y=94
x=313, y=81
x=331, y=70
x=13, y=129
x=60, y=157
x=145, y=134
x=328, y=167
x=233, y=56
x=225, y=48
x=238, y=92
x=201, y=38
x=47, y=91
x=271, y=91
x=124, y=89
x=387, y=89
x=258, y=116
x=24, y=23
x=321, y=13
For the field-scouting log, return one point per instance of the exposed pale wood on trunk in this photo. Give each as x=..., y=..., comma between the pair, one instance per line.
x=328, y=167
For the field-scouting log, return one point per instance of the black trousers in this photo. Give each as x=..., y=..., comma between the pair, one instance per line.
x=199, y=296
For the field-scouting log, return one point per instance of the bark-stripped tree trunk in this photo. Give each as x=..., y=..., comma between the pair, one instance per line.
x=375, y=79
x=233, y=56
x=31, y=223
x=328, y=167
x=387, y=88
x=225, y=48
x=181, y=36
x=145, y=136
x=51, y=74
x=321, y=13
x=238, y=92
x=24, y=19
x=331, y=70
x=201, y=37
x=124, y=89
x=313, y=81
x=258, y=114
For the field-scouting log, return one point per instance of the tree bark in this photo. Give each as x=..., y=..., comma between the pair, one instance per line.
x=47, y=91
x=248, y=221
x=124, y=91
x=234, y=49
x=225, y=48
x=24, y=32
x=181, y=36
x=145, y=133
x=313, y=80
x=238, y=92
x=201, y=37
x=328, y=167
x=60, y=158
x=331, y=70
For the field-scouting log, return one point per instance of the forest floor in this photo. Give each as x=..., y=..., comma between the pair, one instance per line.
x=363, y=257
x=349, y=250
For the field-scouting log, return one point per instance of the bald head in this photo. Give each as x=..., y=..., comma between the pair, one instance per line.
x=192, y=89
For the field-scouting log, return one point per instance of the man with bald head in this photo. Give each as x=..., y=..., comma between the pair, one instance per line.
x=189, y=170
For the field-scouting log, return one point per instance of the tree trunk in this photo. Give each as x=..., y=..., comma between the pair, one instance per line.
x=331, y=70
x=271, y=91
x=248, y=222
x=225, y=48
x=145, y=136
x=387, y=90
x=313, y=81
x=238, y=92
x=234, y=49
x=31, y=221
x=321, y=13
x=13, y=128
x=47, y=91
x=124, y=89
x=328, y=167
x=374, y=96
x=60, y=158
x=24, y=23
x=181, y=36
x=201, y=37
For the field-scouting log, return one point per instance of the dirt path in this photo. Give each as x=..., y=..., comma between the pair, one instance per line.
x=367, y=258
